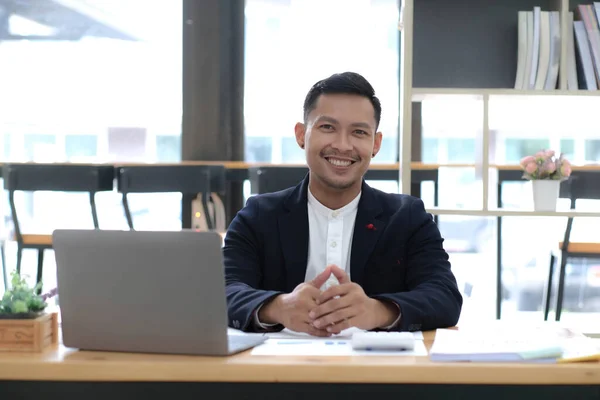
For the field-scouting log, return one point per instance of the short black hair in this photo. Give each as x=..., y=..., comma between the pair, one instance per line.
x=345, y=82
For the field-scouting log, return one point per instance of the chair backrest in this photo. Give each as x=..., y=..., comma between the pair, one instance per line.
x=584, y=185
x=66, y=177
x=186, y=179
x=268, y=179
x=58, y=177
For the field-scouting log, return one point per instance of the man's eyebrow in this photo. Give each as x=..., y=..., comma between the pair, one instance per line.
x=331, y=120
x=324, y=118
x=361, y=125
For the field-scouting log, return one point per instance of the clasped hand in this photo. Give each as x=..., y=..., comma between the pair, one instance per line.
x=339, y=307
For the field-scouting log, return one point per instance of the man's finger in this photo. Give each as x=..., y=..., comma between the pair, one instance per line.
x=311, y=330
x=329, y=307
x=334, y=291
x=340, y=274
x=320, y=279
x=312, y=292
x=335, y=318
x=341, y=326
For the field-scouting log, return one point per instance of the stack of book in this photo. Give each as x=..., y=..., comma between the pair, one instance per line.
x=539, y=48
x=538, y=345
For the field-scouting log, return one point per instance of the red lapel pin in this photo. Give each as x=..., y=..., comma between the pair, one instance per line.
x=371, y=227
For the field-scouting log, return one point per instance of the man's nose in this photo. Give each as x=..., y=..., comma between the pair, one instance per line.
x=342, y=142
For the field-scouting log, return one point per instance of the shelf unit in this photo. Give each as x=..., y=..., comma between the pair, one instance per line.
x=467, y=48
x=501, y=212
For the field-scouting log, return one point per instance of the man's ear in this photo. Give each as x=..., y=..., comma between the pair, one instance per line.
x=300, y=131
x=377, y=144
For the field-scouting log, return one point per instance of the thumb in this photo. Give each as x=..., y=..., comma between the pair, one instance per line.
x=340, y=274
x=320, y=279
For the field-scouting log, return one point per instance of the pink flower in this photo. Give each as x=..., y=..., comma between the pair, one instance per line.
x=565, y=169
x=549, y=153
x=527, y=160
x=530, y=167
x=550, y=167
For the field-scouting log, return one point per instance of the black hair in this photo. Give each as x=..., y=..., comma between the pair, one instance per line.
x=346, y=82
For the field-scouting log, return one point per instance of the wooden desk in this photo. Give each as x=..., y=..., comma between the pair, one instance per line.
x=65, y=372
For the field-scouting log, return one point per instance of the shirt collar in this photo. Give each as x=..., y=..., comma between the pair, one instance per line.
x=326, y=211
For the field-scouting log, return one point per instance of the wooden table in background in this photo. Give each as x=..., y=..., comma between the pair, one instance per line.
x=64, y=373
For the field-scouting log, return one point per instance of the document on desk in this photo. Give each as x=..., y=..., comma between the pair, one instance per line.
x=288, y=334
x=325, y=347
x=456, y=345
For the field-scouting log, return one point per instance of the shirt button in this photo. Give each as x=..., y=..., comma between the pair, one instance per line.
x=333, y=244
x=334, y=214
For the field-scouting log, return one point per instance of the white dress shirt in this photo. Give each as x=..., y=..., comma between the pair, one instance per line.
x=330, y=241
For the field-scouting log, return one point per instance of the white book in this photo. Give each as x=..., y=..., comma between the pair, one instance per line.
x=555, y=44
x=544, y=51
x=456, y=345
x=586, y=13
x=572, y=80
x=521, y=50
x=585, y=57
x=535, y=54
x=529, y=58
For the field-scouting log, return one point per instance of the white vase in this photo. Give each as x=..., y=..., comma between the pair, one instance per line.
x=545, y=194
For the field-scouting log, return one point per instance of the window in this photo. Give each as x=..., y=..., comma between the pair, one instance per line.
x=72, y=86
x=285, y=56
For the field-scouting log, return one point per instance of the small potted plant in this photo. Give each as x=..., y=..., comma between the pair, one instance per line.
x=21, y=301
x=546, y=172
x=24, y=323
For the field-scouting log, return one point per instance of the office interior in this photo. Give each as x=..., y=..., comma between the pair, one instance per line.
x=221, y=83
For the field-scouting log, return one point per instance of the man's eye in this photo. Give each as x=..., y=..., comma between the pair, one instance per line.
x=326, y=126
x=360, y=132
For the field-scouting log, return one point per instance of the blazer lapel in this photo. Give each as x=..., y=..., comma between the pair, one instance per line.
x=293, y=233
x=367, y=229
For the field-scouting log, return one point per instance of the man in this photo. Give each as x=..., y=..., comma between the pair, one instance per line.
x=333, y=253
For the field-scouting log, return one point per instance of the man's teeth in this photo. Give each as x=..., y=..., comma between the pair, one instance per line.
x=339, y=163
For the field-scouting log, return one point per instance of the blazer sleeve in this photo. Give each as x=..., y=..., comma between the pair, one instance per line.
x=433, y=299
x=243, y=270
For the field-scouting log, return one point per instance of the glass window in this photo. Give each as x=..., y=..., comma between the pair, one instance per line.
x=592, y=150
x=258, y=149
x=519, y=148
x=461, y=150
x=291, y=152
x=282, y=64
x=168, y=148
x=81, y=146
x=104, y=66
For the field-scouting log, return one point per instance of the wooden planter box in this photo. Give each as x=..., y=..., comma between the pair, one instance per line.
x=29, y=334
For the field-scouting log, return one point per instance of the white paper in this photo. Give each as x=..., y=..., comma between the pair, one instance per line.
x=288, y=334
x=326, y=347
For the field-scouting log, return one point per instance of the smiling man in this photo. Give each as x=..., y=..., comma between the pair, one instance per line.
x=333, y=253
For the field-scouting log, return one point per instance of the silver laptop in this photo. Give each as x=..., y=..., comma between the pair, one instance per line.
x=151, y=292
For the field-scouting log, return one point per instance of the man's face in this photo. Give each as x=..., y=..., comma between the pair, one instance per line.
x=340, y=139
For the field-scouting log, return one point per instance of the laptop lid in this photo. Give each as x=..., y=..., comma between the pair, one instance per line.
x=156, y=292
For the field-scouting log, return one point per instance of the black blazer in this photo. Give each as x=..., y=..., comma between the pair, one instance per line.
x=401, y=260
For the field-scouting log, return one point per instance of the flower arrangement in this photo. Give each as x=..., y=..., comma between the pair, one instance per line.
x=544, y=165
x=21, y=300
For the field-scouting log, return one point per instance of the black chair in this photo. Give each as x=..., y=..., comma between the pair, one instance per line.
x=193, y=180
x=268, y=179
x=582, y=185
x=30, y=177
x=503, y=177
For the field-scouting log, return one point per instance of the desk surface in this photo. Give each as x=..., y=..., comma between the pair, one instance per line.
x=63, y=364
